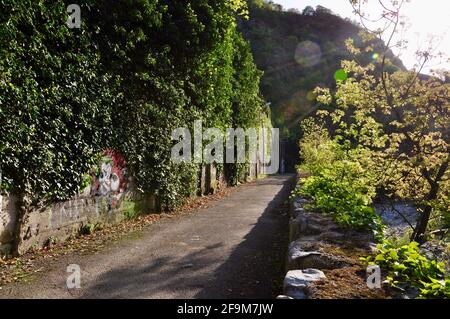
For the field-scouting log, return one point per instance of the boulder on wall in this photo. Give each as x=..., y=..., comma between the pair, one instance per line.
x=296, y=282
x=308, y=254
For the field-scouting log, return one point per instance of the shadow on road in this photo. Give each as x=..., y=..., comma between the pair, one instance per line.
x=256, y=267
x=253, y=270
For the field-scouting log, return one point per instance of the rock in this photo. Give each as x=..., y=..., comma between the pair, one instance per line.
x=296, y=227
x=296, y=293
x=306, y=223
x=303, y=255
x=303, y=260
x=301, y=278
x=298, y=211
x=331, y=236
x=284, y=297
x=437, y=250
x=317, y=244
x=359, y=238
x=300, y=202
x=407, y=293
x=296, y=282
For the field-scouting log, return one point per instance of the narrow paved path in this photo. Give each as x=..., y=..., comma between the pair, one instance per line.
x=234, y=248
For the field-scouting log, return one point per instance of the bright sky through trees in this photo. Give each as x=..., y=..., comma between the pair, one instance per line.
x=424, y=18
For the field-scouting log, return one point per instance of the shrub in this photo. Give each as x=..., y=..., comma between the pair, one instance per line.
x=133, y=72
x=407, y=267
x=347, y=203
x=317, y=150
x=55, y=101
x=340, y=184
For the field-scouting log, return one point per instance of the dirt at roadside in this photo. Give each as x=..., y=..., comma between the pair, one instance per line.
x=347, y=282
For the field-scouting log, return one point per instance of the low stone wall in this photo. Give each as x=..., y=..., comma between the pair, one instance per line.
x=108, y=199
x=314, y=240
x=59, y=221
x=7, y=221
x=211, y=180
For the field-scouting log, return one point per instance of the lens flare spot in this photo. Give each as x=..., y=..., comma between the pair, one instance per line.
x=375, y=56
x=308, y=54
x=340, y=75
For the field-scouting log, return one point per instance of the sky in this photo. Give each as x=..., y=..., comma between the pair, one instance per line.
x=424, y=18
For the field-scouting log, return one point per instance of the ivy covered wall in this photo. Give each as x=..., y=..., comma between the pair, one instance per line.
x=134, y=71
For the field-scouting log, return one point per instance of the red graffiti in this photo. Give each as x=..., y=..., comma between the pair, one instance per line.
x=111, y=179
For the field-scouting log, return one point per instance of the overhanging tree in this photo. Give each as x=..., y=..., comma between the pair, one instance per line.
x=403, y=117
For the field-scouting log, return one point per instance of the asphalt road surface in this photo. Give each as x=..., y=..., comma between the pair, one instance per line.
x=234, y=248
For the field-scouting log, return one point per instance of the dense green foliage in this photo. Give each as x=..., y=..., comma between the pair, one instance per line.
x=348, y=205
x=343, y=183
x=406, y=267
x=388, y=135
x=179, y=62
x=403, y=122
x=55, y=100
x=339, y=184
x=133, y=72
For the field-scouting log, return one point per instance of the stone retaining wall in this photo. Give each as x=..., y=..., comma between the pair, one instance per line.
x=314, y=238
x=99, y=203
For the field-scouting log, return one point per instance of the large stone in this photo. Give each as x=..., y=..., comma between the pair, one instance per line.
x=284, y=297
x=296, y=227
x=300, y=202
x=331, y=236
x=296, y=282
x=303, y=255
x=306, y=223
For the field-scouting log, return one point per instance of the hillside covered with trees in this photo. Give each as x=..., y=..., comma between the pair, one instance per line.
x=299, y=51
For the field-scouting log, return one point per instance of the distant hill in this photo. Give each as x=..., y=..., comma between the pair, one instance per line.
x=297, y=52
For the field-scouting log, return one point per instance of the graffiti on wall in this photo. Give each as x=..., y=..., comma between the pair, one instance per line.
x=107, y=184
x=111, y=180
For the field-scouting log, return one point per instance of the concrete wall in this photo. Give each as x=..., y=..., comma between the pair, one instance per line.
x=59, y=221
x=211, y=180
x=7, y=222
x=105, y=200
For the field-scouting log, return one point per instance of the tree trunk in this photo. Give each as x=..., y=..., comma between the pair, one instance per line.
x=421, y=226
x=422, y=223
